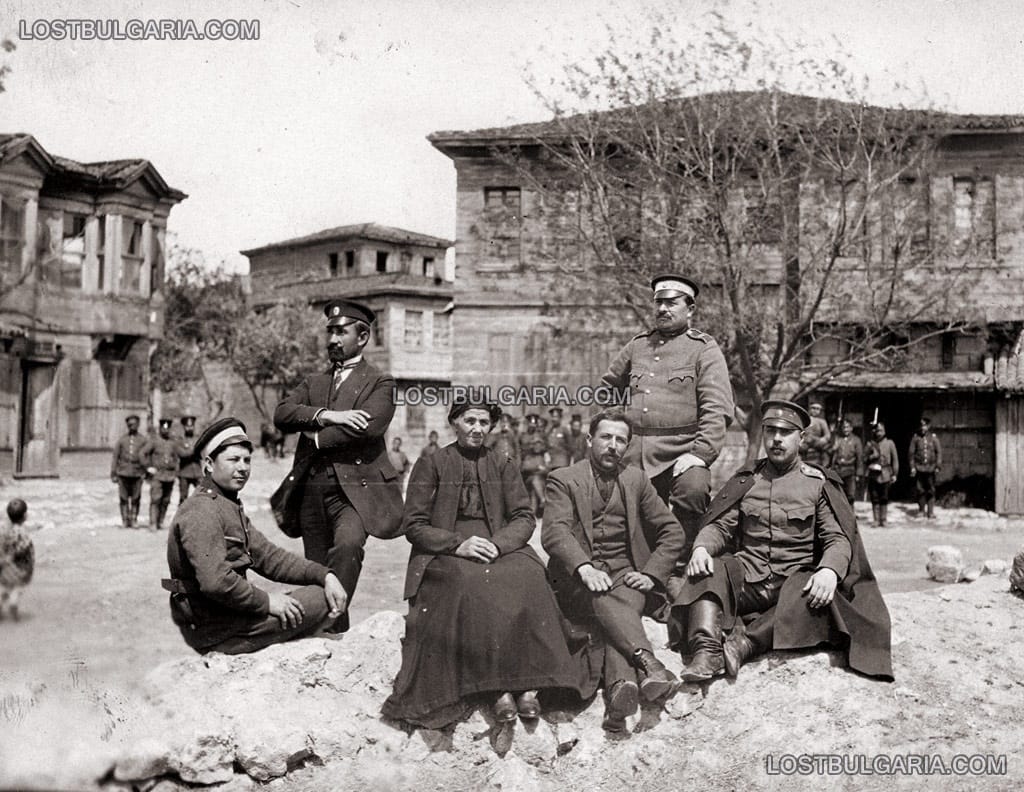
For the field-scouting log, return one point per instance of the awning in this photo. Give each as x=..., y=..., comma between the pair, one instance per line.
x=910, y=380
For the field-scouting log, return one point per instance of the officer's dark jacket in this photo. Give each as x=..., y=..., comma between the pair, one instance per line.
x=359, y=459
x=127, y=458
x=210, y=547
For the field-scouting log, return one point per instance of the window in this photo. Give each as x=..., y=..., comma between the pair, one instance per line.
x=156, y=261
x=428, y=266
x=974, y=216
x=413, y=335
x=124, y=380
x=332, y=263
x=405, y=262
x=909, y=232
x=350, y=262
x=382, y=261
x=131, y=255
x=101, y=251
x=442, y=329
x=948, y=350
x=501, y=226
x=72, y=251
x=12, y=235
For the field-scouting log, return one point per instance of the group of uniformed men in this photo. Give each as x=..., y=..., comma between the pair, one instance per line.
x=160, y=459
x=774, y=561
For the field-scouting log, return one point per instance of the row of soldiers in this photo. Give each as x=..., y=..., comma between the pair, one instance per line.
x=160, y=459
x=875, y=460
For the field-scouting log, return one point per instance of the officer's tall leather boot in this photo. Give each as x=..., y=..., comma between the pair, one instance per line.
x=133, y=513
x=882, y=509
x=154, y=516
x=931, y=509
x=741, y=645
x=126, y=515
x=704, y=636
x=874, y=513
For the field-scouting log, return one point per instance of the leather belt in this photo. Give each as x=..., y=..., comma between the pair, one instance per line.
x=660, y=431
x=177, y=586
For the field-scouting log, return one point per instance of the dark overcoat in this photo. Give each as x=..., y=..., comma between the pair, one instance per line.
x=360, y=459
x=857, y=611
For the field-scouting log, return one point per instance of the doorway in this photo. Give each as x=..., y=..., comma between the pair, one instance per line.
x=38, y=451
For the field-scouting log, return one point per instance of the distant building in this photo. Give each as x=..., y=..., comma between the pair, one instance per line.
x=512, y=240
x=82, y=252
x=400, y=275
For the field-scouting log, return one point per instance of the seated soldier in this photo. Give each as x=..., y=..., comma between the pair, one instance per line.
x=613, y=543
x=779, y=564
x=212, y=545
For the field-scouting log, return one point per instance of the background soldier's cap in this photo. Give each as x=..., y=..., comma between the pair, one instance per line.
x=344, y=312
x=576, y=417
x=670, y=285
x=166, y=422
x=532, y=418
x=787, y=414
x=553, y=410
x=817, y=404
x=226, y=431
x=131, y=418
x=188, y=420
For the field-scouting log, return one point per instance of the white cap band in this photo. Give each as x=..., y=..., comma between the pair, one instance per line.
x=218, y=439
x=674, y=286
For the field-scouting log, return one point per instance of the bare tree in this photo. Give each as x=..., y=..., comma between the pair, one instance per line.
x=760, y=170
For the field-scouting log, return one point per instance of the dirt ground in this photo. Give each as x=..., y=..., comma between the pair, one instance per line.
x=96, y=613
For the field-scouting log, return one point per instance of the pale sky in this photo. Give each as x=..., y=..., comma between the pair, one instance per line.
x=322, y=122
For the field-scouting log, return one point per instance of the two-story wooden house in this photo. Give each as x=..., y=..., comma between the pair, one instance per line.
x=514, y=239
x=82, y=251
x=400, y=275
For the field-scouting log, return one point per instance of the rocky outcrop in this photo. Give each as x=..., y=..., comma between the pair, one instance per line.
x=945, y=564
x=304, y=716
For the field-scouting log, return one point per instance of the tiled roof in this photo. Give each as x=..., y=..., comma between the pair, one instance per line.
x=321, y=290
x=110, y=175
x=910, y=380
x=797, y=108
x=370, y=231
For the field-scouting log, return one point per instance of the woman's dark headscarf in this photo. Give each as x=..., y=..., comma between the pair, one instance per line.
x=461, y=406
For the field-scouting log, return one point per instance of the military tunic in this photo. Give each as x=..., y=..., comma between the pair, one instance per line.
x=210, y=547
x=817, y=437
x=779, y=522
x=680, y=397
x=558, y=447
x=161, y=453
x=127, y=460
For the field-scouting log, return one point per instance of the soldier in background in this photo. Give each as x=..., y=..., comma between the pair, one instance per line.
x=577, y=439
x=559, y=453
x=680, y=402
x=127, y=470
x=883, y=467
x=189, y=471
x=533, y=461
x=160, y=456
x=431, y=447
x=399, y=461
x=817, y=437
x=925, y=457
x=848, y=459
x=503, y=440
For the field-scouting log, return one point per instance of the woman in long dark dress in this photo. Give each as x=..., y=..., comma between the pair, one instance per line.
x=482, y=619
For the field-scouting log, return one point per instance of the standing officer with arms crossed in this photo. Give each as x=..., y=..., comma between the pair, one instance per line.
x=680, y=402
x=342, y=485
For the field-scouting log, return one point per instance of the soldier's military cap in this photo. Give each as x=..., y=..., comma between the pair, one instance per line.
x=671, y=285
x=226, y=431
x=785, y=414
x=166, y=422
x=576, y=417
x=345, y=312
x=556, y=409
x=188, y=420
x=532, y=418
x=131, y=418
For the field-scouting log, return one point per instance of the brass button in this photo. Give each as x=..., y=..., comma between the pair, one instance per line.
x=363, y=482
x=359, y=461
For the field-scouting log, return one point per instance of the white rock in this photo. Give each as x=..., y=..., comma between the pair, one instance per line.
x=945, y=564
x=264, y=750
x=512, y=774
x=972, y=574
x=535, y=743
x=687, y=700
x=206, y=759
x=146, y=758
x=995, y=566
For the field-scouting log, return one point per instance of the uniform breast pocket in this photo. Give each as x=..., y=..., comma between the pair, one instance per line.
x=800, y=520
x=683, y=379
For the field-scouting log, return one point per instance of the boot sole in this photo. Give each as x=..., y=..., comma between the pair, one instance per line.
x=624, y=703
x=691, y=677
x=654, y=689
